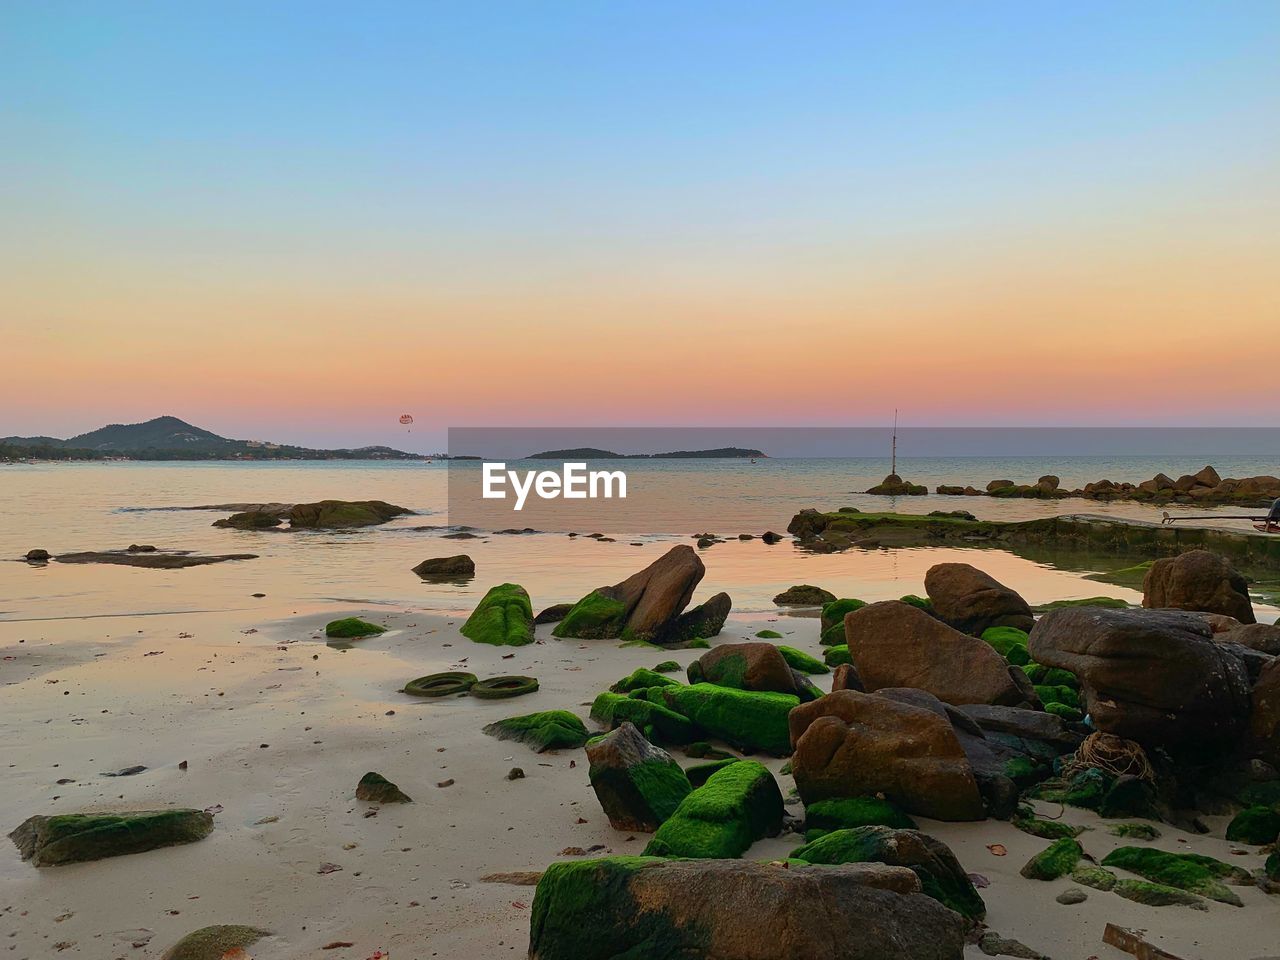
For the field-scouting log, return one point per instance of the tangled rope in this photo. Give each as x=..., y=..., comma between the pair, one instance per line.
x=1111, y=754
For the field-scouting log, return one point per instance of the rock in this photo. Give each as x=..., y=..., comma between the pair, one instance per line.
x=638, y=785
x=1208, y=477
x=141, y=548
x=641, y=679
x=894, y=486
x=324, y=514
x=37, y=556
x=701, y=622
x=553, y=614
x=657, y=722
x=446, y=568
x=1257, y=825
x=802, y=662
x=851, y=744
x=1156, y=677
x=1030, y=731
x=845, y=813
x=642, y=607
x=746, y=719
x=1263, y=637
x=1056, y=860
x=352, y=627
x=770, y=537
x=995, y=485
x=515, y=773
x=170, y=560
x=504, y=617
x=737, y=910
x=1071, y=896
x=893, y=644
x=747, y=666
x=941, y=875
x=804, y=595
x=972, y=601
x=215, y=943
x=1264, y=714
x=76, y=837
x=1198, y=580
x=845, y=677
x=376, y=788
x=722, y=818
x=547, y=730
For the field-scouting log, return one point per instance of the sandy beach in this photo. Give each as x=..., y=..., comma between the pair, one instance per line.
x=275, y=727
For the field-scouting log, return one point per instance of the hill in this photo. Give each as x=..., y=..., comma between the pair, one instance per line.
x=169, y=438
x=595, y=453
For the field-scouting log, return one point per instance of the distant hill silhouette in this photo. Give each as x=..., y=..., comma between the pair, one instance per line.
x=595, y=453
x=169, y=438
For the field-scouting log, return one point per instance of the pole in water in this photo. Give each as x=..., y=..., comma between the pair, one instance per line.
x=893, y=455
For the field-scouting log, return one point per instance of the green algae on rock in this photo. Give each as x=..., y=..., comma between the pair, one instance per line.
x=1134, y=831
x=804, y=595
x=1155, y=894
x=838, y=655
x=768, y=635
x=722, y=818
x=77, y=837
x=700, y=773
x=1056, y=860
x=349, y=628
x=1256, y=825
x=547, y=730
x=597, y=616
x=799, y=660
x=1026, y=821
x=214, y=943
x=746, y=719
x=1009, y=642
x=845, y=813
x=941, y=875
x=1186, y=871
x=638, y=785
x=656, y=721
x=1095, y=877
x=667, y=666
x=642, y=678
x=504, y=617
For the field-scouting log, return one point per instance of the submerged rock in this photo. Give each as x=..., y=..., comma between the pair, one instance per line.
x=503, y=617
x=851, y=744
x=159, y=560
x=375, y=788
x=804, y=595
x=638, y=785
x=737, y=910
x=1198, y=580
x=76, y=837
x=323, y=514
x=737, y=806
x=446, y=568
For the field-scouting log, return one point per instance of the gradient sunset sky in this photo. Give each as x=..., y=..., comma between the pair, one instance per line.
x=295, y=221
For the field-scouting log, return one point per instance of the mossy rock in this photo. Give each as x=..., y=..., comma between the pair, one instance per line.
x=1095, y=877
x=1125, y=576
x=1263, y=794
x=845, y=813
x=922, y=603
x=1085, y=788
x=1058, y=694
x=1134, y=831
x=597, y=616
x=768, y=635
x=833, y=613
x=547, y=730
x=1025, y=771
x=1155, y=894
x=1009, y=642
x=1027, y=822
x=1272, y=867
x=1190, y=872
x=1111, y=603
x=657, y=722
x=503, y=617
x=837, y=655
x=640, y=679
x=349, y=628
x=722, y=818
x=1056, y=860
x=638, y=785
x=77, y=837
x=799, y=660
x=213, y=943
x=702, y=750
x=804, y=595
x=746, y=719
x=667, y=666
x=1061, y=710
x=700, y=773
x=941, y=875
x=375, y=788
x=1044, y=676
x=1255, y=825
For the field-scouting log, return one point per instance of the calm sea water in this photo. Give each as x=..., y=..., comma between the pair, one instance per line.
x=95, y=506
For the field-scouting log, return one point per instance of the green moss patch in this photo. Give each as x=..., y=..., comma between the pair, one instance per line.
x=547, y=730
x=1190, y=872
x=1255, y=825
x=837, y=655
x=1056, y=860
x=641, y=679
x=746, y=719
x=78, y=837
x=597, y=616
x=845, y=813
x=667, y=666
x=213, y=943
x=658, y=723
x=504, y=617
x=349, y=628
x=1134, y=831
x=721, y=819
x=768, y=635
x=799, y=660
x=1009, y=642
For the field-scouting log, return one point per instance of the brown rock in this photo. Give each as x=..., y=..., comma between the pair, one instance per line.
x=894, y=644
x=972, y=601
x=1154, y=676
x=446, y=568
x=638, y=785
x=1208, y=477
x=1198, y=580
x=1264, y=717
x=1263, y=637
x=845, y=677
x=747, y=666
x=642, y=607
x=850, y=744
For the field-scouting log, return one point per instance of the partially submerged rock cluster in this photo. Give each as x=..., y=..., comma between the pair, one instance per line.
x=1205, y=487
x=321, y=515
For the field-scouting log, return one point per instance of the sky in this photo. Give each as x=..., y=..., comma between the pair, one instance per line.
x=297, y=221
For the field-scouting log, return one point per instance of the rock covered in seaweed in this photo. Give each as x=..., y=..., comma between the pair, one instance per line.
x=804, y=595
x=350, y=628
x=748, y=666
x=737, y=806
x=503, y=617
x=749, y=720
x=737, y=910
x=638, y=785
x=547, y=730
x=77, y=837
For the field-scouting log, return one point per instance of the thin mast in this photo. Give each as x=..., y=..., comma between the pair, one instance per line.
x=893, y=457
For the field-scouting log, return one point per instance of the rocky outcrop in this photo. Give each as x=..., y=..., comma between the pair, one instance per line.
x=1264, y=715
x=446, y=568
x=972, y=601
x=323, y=514
x=894, y=486
x=702, y=622
x=737, y=910
x=893, y=644
x=1203, y=487
x=1153, y=676
x=76, y=837
x=749, y=666
x=1262, y=637
x=804, y=595
x=1198, y=580
x=850, y=744
x=648, y=604
x=158, y=560
x=638, y=785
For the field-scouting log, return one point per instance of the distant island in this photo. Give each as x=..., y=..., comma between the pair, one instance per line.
x=168, y=438
x=594, y=453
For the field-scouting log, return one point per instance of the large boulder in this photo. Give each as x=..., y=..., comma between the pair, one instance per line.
x=1198, y=580
x=645, y=606
x=503, y=617
x=638, y=785
x=851, y=744
x=894, y=644
x=972, y=601
x=76, y=837
x=737, y=910
x=749, y=666
x=1154, y=676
